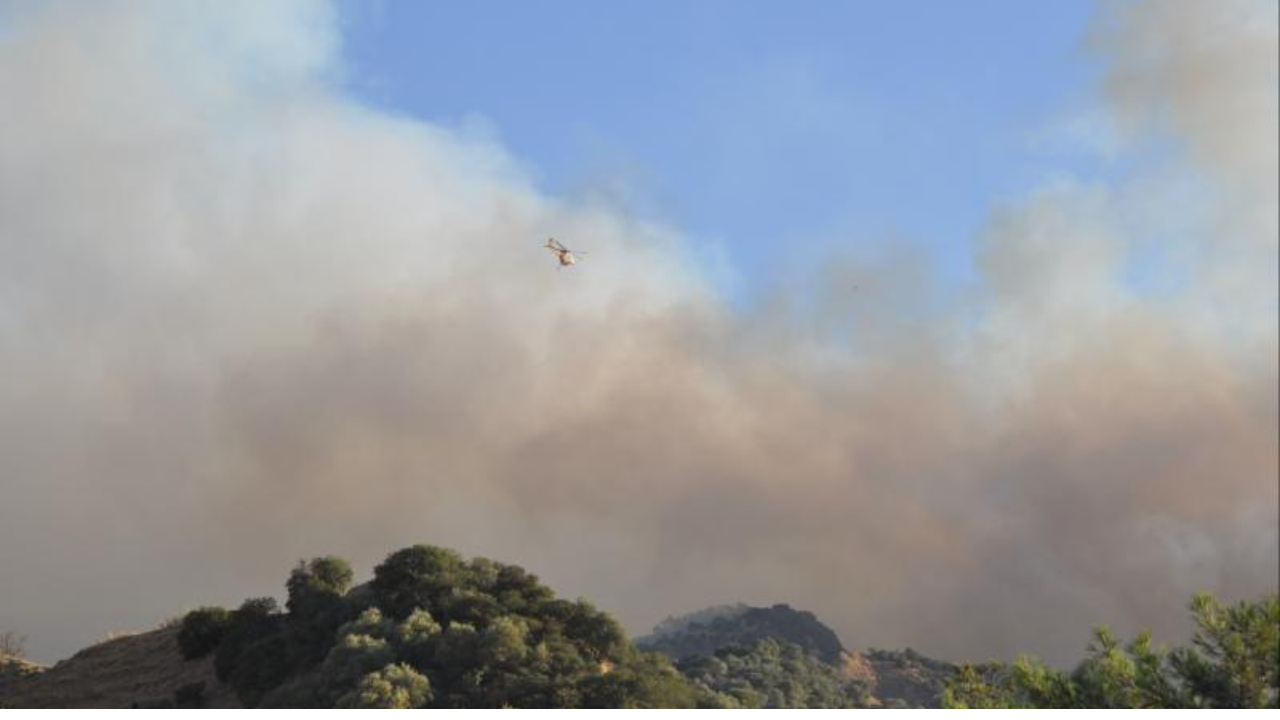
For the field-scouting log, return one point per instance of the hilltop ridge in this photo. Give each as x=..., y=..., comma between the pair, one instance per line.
x=898, y=678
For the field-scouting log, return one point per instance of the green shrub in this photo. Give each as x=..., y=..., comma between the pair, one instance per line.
x=421, y=576
x=353, y=657
x=202, y=630
x=262, y=666
x=316, y=586
x=645, y=680
x=394, y=687
x=255, y=620
x=1233, y=662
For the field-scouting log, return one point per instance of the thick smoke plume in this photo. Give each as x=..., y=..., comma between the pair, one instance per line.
x=245, y=319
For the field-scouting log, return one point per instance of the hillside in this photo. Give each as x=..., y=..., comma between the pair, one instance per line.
x=732, y=656
x=905, y=678
x=142, y=670
x=705, y=631
x=890, y=678
x=673, y=625
x=433, y=629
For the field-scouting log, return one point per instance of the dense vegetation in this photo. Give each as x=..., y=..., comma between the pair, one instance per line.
x=781, y=657
x=433, y=629
x=705, y=632
x=772, y=674
x=905, y=678
x=1232, y=662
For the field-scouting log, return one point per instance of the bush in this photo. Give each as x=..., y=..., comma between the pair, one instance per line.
x=317, y=585
x=202, y=630
x=394, y=687
x=645, y=680
x=421, y=576
x=318, y=604
x=254, y=620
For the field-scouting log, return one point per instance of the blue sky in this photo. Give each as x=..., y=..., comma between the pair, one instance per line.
x=748, y=124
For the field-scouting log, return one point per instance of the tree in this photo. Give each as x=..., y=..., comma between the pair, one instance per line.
x=421, y=576
x=318, y=584
x=202, y=630
x=1234, y=659
x=1134, y=676
x=251, y=656
x=980, y=687
x=1233, y=662
x=253, y=620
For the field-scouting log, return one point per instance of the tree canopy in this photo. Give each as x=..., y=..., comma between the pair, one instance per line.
x=1233, y=661
x=432, y=629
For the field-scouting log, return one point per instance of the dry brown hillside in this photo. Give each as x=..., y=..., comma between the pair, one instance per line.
x=135, y=670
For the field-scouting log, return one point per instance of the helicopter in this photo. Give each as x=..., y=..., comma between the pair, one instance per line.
x=563, y=254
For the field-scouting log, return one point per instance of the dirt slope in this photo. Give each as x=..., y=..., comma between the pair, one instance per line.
x=134, y=670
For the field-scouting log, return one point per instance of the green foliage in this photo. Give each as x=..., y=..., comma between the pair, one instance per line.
x=643, y=680
x=251, y=657
x=1111, y=676
x=704, y=633
x=369, y=622
x=316, y=586
x=421, y=576
x=417, y=629
x=1234, y=660
x=254, y=619
x=202, y=630
x=263, y=664
x=1232, y=663
x=353, y=657
x=435, y=629
x=394, y=687
x=317, y=605
x=771, y=674
x=980, y=687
